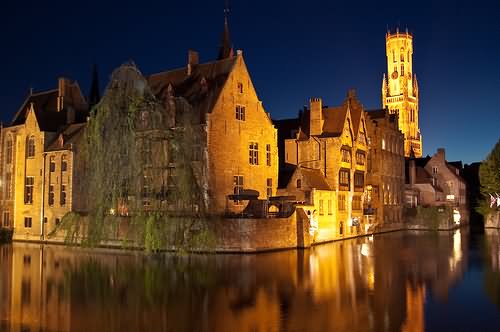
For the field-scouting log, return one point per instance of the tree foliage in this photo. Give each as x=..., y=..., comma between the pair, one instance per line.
x=141, y=183
x=489, y=177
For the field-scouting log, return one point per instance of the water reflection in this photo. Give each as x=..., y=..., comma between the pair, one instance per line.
x=492, y=265
x=368, y=284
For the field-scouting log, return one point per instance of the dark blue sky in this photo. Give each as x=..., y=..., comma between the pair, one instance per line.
x=294, y=51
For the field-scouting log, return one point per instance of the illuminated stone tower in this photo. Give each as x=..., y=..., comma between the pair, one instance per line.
x=400, y=89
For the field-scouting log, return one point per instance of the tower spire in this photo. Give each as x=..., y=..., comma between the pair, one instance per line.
x=226, y=49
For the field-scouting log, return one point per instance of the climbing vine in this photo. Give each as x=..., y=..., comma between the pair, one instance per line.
x=142, y=160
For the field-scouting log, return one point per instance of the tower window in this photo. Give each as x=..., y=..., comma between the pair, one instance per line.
x=402, y=70
x=402, y=55
x=393, y=56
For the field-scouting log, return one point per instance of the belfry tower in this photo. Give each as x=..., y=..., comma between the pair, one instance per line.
x=400, y=89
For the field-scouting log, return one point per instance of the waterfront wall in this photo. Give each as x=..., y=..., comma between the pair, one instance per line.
x=492, y=220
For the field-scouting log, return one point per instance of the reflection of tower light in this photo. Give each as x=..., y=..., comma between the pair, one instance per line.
x=415, y=299
x=457, y=250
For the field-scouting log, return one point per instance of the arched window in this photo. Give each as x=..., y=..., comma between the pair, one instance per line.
x=402, y=55
x=64, y=163
x=8, y=151
x=30, y=147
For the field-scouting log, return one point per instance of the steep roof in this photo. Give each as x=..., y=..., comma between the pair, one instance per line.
x=45, y=107
x=201, y=88
x=66, y=137
x=335, y=118
x=314, y=178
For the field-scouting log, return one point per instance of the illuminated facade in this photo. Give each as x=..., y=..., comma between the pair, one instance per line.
x=400, y=89
x=36, y=165
x=333, y=141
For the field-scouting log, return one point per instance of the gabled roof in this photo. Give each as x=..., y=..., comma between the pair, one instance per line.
x=201, y=88
x=66, y=137
x=45, y=107
x=335, y=118
x=314, y=178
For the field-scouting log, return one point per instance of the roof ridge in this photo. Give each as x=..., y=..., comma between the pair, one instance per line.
x=184, y=67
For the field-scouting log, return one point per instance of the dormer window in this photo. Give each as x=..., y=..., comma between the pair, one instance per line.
x=434, y=170
x=346, y=156
x=299, y=183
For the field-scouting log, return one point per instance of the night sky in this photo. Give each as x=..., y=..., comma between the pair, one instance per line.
x=294, y=50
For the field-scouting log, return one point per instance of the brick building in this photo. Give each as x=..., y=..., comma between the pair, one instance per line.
x=333, y=141
x=385, y=174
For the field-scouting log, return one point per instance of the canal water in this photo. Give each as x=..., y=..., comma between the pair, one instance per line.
x=401, y=281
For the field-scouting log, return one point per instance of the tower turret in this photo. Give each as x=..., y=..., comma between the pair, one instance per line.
x=400, y=89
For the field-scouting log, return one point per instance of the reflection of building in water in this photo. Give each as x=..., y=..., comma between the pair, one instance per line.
x=415, y=317
x=5, y=285
x=492, y=265
x=39, y=299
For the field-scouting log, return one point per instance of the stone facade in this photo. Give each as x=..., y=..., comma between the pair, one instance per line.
x=400, y=89
x=385, y=174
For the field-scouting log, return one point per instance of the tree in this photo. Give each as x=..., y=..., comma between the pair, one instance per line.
x=489, y=177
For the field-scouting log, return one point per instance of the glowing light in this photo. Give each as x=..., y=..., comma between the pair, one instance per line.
x=112, y=212
x=456, y=216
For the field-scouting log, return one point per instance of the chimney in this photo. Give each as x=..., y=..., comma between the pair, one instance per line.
x=63, y=87
x=316, y=116
x=441, y=154
x=413, y=172
x=193, y=60
x=70, y=115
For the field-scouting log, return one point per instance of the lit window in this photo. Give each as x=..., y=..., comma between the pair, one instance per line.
x=268, y=154
x=240, y=112
x=356, y=203
x=8, y=151
x=253, y=153
x=64, y=163
x=342, y=202
x=344, y=178
x=51, y=195
x=63, y=195
x=6, y=219
x=269, y=190
x=383, y=144
x=238, y=186
x=30, y=147
x=346, y=156
x=52, y=164
x=28, y=222
x=359, y=180
x=360, y=158
x=28, y=189
x=8, y=185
